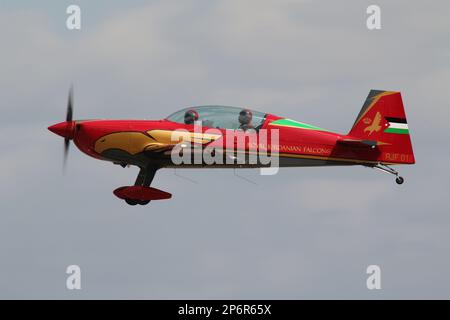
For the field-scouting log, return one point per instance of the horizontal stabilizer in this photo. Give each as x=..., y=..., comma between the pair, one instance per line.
x=358, y=143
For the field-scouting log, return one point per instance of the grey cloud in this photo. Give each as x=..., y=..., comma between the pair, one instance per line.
x=304, y=233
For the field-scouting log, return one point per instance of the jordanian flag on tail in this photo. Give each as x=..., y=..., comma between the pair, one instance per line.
x=397, y=125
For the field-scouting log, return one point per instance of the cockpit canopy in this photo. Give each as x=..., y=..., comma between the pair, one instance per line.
x=221, y=117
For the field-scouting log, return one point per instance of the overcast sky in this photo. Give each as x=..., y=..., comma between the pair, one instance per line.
x=303, y=233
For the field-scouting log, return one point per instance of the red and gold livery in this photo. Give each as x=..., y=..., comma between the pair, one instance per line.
x=379, y=138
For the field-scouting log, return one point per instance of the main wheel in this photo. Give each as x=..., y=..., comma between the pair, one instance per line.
x=131, y=202
x=399, y=180
x=143, y=202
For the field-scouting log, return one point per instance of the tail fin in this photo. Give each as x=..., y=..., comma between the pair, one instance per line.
x=382, y=118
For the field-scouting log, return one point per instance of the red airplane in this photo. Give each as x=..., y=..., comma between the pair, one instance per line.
x=379, y=138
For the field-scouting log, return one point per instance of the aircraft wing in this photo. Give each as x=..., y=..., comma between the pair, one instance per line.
x=158, y=147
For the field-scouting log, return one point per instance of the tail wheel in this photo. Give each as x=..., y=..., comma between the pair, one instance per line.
x=399, y=180
x=387, y=169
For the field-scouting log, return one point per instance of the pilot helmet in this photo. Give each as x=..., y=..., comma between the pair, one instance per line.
x=245, y=116
x=190, y=116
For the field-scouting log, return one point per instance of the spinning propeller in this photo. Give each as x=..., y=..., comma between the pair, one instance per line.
x=66, y=129
x=69, y=115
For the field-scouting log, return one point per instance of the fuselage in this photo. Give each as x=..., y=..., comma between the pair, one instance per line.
x=138, y=142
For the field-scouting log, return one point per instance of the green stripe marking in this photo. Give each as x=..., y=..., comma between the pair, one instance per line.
x=398, y=131
x=296, y=124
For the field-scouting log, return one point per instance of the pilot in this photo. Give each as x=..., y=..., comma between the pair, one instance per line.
x=190, y=116
x=245, y=120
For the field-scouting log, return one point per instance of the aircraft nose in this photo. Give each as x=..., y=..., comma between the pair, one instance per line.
x=64, y=129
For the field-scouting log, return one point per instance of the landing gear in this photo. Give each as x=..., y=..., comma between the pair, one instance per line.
x=131, y=202
x=141, y=193
x=144, y=178
x=387, y=169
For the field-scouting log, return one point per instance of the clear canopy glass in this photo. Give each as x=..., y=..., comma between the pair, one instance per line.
x=221, y=117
